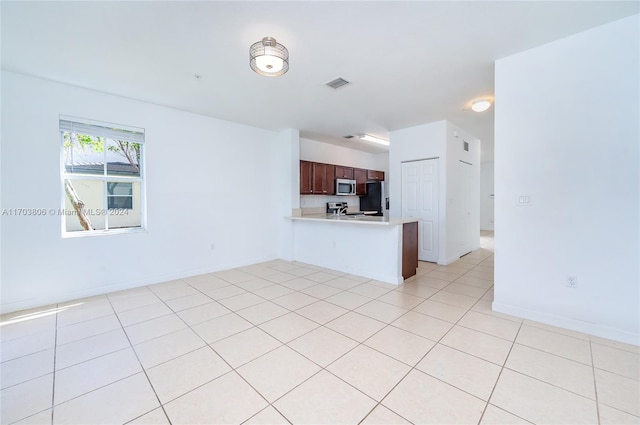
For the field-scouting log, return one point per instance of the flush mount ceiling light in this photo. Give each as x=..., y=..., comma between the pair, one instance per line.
x=269, y=58
x=374, y=139
x=480, y=105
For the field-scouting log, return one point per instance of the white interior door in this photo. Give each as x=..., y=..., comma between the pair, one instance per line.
x=420, y=200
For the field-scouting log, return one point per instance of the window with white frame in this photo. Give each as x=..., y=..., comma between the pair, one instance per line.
x=102, y=177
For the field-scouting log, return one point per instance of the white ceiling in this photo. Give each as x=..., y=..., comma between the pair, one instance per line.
x=410, y=62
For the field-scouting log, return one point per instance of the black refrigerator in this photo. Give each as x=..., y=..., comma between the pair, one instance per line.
x=374, y=200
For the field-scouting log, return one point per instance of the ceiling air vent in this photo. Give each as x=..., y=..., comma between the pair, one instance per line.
x=337, y=83
x=348, y=137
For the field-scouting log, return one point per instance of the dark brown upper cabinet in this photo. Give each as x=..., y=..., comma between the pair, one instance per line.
x=323, y=179
x=317, y=178
x=361, y=181
x=306, y=178
x=375, y=175
x=344, y=172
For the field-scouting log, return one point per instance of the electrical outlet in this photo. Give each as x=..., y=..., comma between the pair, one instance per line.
x=213, y=247
x=572, y=281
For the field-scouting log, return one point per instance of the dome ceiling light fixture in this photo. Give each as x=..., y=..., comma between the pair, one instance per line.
x=269, y=58
x=480, y=105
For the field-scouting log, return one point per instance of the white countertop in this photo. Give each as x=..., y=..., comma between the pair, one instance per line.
x=358, y=219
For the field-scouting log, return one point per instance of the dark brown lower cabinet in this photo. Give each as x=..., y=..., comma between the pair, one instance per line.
x=409, y=249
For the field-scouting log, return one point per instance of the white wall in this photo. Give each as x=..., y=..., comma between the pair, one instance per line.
x=211, y=187
x=486, y=195
x=1, y=138
x=411, y=144
x=438, y=140
x=462, y=193
x=567, y=135
x=312, y=150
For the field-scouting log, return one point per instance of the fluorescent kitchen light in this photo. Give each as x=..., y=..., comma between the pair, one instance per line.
x=374, y=139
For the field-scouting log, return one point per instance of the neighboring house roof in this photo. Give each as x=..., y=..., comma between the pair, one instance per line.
x=119, y=168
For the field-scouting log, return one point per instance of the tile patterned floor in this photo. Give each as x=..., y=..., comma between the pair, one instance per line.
x=283, y=342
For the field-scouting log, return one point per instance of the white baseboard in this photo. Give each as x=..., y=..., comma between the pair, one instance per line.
x=448, y=261
x=572, y=324
x=51, y=299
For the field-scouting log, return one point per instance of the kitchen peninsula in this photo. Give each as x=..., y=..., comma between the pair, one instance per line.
x=379, y=248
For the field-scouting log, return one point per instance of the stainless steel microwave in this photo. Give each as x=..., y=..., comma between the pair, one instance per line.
x=345, y=187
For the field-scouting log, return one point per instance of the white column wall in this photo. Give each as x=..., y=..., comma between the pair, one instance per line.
x=286, y=189
x=567, y=136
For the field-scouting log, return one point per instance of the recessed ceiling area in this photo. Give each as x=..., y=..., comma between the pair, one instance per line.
x=408, y=63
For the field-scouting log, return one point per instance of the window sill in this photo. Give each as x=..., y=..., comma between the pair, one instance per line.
x=93, y=233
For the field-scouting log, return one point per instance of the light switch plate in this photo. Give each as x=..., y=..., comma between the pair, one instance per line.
x=524, y=201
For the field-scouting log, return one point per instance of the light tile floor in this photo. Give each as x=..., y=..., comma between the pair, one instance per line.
x=283, y=342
